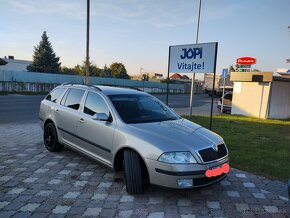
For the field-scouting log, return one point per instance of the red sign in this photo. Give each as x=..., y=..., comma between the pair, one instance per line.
x=246, y=60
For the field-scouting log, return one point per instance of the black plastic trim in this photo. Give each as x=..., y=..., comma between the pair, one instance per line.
x=185, y=173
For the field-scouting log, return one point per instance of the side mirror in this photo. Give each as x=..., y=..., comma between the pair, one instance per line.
x=101, y=117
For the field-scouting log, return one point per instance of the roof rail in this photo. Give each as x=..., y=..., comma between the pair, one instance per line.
x=130, y=87
x=99, y=89
x=65, y=83
x=118, y=86
x=69, y=83
x=90, y=86
x=96, y=87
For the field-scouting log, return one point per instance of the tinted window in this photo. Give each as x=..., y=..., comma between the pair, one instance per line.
x=95, y=104
x=64, y=97
x=55, y=95
x=142, y=109
x=74, y=98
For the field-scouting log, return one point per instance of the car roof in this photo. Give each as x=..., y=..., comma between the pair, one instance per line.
x=107, y=90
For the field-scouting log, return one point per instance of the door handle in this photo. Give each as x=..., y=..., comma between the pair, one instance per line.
x=81, y=120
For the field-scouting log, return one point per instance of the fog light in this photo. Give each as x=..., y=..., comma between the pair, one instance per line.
x=185, y=182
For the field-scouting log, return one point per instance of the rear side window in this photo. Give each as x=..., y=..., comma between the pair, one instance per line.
x=73, y=99
x=55, y=95
x=95, y=104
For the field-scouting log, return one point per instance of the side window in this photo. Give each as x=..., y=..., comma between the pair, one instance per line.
x=54, y=96
x=74, y=98
x=95, y=104
x=64, y=97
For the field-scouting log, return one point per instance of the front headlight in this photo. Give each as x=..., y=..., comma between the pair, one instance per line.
x=177, y=157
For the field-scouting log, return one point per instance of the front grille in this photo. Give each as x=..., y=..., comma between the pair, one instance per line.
x=210, y=154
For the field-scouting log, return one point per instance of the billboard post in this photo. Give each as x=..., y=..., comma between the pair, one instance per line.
x=167, y=87
x=212, y=96
x=193, y=74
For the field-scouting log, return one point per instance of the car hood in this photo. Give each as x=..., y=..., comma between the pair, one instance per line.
x=177, y=135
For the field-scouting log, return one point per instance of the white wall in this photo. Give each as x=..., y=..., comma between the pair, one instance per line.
x=251, y=99
x=8, y=78
x=280, y=100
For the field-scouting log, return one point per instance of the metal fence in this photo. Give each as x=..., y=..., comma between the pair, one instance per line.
x=33, y=81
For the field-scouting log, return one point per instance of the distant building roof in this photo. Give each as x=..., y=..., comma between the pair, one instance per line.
x=13, y=64
x=176, y=76
x=184, y=77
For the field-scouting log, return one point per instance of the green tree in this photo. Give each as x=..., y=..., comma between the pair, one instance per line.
x=145, y=77
x=232, y=69
x=68, y=70
x=119, y=71
x=44, y=58
x=237, y=67
x=94, y=70
x=107, y=72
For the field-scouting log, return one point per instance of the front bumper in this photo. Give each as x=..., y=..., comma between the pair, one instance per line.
x=167, y=175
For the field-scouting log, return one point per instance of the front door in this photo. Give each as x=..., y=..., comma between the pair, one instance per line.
x=97, y=136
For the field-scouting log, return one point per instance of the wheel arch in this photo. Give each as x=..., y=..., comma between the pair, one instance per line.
x=119, y=157
x=48, y=121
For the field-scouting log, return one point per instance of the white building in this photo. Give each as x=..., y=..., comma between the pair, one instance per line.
x=260, y=94
x=13, y=64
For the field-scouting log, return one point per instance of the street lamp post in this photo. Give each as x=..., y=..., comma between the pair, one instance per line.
x=87, y=80
x=193, y=74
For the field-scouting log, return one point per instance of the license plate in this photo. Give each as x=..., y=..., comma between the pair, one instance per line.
x=225, y=168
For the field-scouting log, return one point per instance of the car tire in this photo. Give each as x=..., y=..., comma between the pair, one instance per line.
x=133, y=172
x=50, y=138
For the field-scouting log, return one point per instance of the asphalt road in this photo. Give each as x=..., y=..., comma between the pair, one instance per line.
x=19, y=108
x=24, y=109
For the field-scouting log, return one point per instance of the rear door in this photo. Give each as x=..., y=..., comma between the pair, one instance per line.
x=66, y=115
x=50, y=104
x=97, y=135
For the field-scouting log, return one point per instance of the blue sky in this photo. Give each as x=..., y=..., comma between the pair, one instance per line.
x=138, y=32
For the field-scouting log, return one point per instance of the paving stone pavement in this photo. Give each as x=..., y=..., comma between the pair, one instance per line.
x=37, y=183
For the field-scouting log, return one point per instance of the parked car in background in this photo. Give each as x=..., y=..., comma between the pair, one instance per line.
x=227, y=106
x=219, y=85
x=132, y=131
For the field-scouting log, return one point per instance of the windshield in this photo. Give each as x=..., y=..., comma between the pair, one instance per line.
x=136, y=108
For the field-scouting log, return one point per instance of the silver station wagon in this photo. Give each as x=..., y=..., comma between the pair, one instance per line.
x=132, y=131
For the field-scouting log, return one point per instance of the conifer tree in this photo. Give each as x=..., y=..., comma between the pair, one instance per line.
x=44, y=58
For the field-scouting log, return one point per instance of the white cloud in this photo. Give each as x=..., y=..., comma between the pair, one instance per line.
x=156, y=13
x=72, y=9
